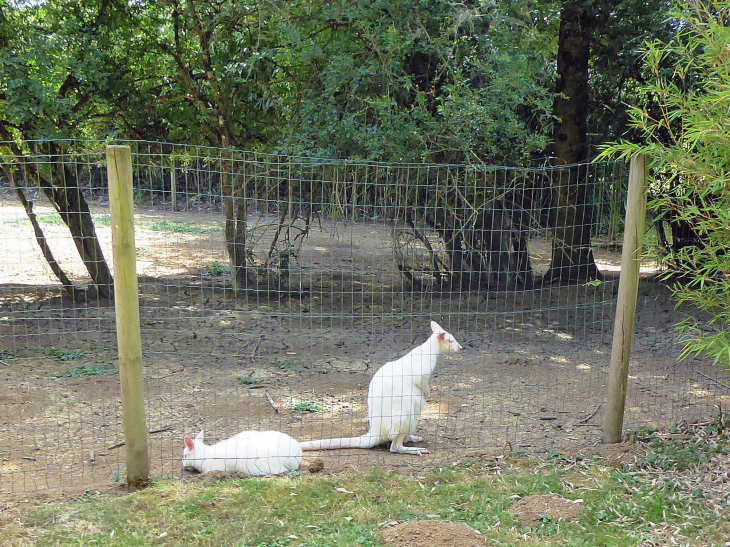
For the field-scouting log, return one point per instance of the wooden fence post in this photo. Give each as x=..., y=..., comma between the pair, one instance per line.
x=173, y=188
x=126, y=300
x=623, y=329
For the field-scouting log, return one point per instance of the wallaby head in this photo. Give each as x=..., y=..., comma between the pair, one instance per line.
x=191, y=445
x=447, y=343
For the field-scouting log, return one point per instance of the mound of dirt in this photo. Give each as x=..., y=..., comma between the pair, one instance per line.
x=615, y=454
x=316, y=465
x=530, y=509
x=429, y=533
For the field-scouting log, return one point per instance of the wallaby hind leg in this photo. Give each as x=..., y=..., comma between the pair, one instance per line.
x=414, y=439
x=397, y=447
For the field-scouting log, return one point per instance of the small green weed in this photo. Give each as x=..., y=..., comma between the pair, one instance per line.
x=307, y=406
x=248, y=380
x=547, y=526
x=64, y=355
x=179, y=227
x=6, y=355
x=291, y=367
x=95, y=346
x=53, y=219
x=214, y=270
x=86, y=370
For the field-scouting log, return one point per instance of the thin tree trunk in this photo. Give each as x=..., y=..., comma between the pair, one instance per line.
x=77, y=216
x=71, y=205
x=234, y=203
x=572, y=255
x=74, y=292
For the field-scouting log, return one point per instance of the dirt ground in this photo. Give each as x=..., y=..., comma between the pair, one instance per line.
x=533, y=372
x=426, y=533
x=530, y=510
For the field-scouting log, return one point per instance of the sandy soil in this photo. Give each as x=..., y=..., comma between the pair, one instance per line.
x=425, y=533
x=533, y=371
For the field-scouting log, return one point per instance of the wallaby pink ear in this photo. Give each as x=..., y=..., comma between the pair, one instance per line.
x=442, y=336
x=189, y=443
x=435, y=327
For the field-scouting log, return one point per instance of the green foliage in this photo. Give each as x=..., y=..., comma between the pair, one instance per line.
x=64, y=355
x=215, y=270
x=444, y=82
x=88, y=370
x=179, y=227
x=685, y=136
x=248, y=380
x=291, y=367
x=62, y=65
x=53, y=219
x=621, y=28
x=307, y=406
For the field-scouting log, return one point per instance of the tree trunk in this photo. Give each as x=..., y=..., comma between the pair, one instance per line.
x=69, y=201
x=74, y=292
x=572, y=258
x=77, y=216
x=234, y=203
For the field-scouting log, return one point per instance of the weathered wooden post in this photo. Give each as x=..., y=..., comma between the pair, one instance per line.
x=623, y=330
x=126, y=300
x=173, y=187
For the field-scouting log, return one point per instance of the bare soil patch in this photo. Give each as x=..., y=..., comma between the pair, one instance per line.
x=531, y=509
x=429, y=533
x=614, y=454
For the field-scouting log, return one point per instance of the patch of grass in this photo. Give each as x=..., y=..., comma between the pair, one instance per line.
x=622, y=508
x=87, y=370
x=179, y=227
x=307, y=406
x=95, y=346
x=64, y=355
x=104, y=220
x=248, y=380
x=291, y=367
x=54, y=219
x=214, y=270
x=6, y=355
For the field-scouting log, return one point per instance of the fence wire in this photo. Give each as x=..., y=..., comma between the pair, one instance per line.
x=272, y=288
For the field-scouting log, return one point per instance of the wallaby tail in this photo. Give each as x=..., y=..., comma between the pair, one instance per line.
x=363, y=441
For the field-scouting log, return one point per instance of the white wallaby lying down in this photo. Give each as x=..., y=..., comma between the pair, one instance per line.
x=396, y=397
x=255, y=453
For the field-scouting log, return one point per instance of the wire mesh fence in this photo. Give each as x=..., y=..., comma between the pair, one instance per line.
x=272, y=288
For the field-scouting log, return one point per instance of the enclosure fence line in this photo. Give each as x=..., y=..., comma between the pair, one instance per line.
x=271, y=290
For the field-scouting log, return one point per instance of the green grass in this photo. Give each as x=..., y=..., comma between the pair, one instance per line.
x=291, y=367
x=623, y=506
x=87, y=370
x=64, y=355
x=214, y=270
x=6, y=355
x=248, y=380
x=54, y=219
x=178, y=227
x=104, y=220
x=306, y=406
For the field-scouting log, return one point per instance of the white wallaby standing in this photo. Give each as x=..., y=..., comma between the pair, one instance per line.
x=396, y=397
x=255, y=453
